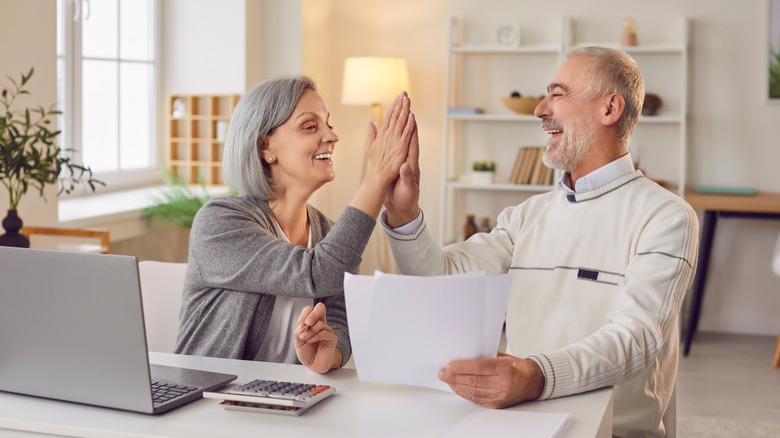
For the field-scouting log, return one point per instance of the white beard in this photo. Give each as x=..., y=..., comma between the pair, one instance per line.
x=572, y=147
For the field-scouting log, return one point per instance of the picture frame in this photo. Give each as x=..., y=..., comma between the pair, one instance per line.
x=508, y=35
x=773, y=45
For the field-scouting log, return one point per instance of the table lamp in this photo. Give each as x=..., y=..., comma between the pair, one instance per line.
x=373, y=81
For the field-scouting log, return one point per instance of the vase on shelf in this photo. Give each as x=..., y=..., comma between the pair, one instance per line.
x=12, y=224
x=482, y=177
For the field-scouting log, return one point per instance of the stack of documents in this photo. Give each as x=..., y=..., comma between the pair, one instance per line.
x=404, y=329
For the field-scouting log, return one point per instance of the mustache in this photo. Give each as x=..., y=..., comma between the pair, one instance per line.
x=547, y=123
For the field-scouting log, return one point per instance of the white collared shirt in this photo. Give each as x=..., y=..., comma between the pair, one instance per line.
x=597, y=178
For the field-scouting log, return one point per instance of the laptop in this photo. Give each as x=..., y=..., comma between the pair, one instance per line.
x=72, y=328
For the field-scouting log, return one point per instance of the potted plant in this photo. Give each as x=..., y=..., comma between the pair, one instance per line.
x=30, y=158
x=177, y=204
x=483, y=172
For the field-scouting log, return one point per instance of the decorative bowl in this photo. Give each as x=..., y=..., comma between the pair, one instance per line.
x=522, y=105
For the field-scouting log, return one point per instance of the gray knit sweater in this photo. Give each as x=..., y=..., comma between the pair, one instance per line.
x=238, y=264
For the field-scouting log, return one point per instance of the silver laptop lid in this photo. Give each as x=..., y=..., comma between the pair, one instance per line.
x=71, y=328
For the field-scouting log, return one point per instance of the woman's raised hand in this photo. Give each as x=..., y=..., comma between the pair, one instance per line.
x=389, y=144
x=388, y=149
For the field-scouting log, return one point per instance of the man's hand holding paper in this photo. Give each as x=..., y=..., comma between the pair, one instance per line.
x=495, y=382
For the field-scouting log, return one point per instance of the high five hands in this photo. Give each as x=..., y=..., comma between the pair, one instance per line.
x=388, y=149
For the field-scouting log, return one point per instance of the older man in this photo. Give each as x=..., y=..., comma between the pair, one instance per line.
x=600, y=265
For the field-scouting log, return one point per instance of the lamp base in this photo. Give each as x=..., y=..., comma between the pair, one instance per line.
x=376, y=115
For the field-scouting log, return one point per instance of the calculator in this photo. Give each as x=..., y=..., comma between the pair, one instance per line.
x=273, y=396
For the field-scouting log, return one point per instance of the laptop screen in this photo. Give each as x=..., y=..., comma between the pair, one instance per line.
x=71, y=328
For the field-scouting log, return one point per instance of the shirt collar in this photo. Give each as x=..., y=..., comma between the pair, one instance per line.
x=597, y=178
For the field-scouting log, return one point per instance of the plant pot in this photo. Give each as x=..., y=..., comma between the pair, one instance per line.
x=12, y=224
x=482, y=177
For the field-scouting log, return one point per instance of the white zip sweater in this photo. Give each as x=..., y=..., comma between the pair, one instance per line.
x=599, y=279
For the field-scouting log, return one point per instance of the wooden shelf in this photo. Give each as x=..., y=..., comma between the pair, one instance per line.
x=196, y=135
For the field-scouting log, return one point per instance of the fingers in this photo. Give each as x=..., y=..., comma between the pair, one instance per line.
x=302, y=318
x=397, y=116
x=390, y=111
x=317, y=314
x=404, y=118
x=413, y=156
x=489, y=390
x=309, y=317
x=481, y=396
x=481, y=367
x=313, y=325
x=319, y=333
x=372, y=132
x=495, y=382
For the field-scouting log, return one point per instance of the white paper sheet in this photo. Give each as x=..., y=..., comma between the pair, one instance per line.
x=504, y=422
x=404, y=329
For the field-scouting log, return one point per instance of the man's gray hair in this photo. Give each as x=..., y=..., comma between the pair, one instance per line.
x=257, y=115
x=614, y=71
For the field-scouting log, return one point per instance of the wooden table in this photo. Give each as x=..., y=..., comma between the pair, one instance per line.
x=759, y=206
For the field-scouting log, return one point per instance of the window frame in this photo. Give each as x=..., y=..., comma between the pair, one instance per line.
x=69, y=92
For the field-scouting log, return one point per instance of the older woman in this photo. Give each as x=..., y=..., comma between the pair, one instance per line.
x=264, y=266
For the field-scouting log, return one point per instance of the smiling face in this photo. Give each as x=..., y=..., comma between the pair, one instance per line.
x=570, y=119
x=299, y=151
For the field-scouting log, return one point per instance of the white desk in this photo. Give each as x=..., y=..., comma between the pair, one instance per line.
x=358, y=409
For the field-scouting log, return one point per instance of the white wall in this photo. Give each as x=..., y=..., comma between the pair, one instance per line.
x=228, y=46
x=21, y=49
x=203, y=46
x=734, y=134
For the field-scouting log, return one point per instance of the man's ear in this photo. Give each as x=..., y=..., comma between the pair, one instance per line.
x=614, y=105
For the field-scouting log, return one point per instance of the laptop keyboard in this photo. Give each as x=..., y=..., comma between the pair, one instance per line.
x=162, y=391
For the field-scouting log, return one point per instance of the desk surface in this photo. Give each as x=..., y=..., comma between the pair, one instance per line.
x=357, y=409
x=758, y=203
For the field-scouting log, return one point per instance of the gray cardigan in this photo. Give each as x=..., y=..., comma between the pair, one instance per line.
x=238, y=264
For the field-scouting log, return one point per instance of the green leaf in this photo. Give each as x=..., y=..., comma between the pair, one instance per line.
x=29, y=154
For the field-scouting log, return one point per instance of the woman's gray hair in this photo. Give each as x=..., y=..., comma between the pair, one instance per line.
x=614, y=71
x=257, y=115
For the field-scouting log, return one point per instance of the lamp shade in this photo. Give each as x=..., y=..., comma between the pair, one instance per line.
x=373, y=80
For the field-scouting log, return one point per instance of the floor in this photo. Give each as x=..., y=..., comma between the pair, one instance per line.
x=727, y=386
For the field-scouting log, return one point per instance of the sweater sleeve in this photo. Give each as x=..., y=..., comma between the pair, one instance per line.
x=235, y=247
x=418, y=254
x=657, y=277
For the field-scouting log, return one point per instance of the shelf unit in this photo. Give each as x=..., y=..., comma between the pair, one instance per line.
x=658, y=146
x=197, y=125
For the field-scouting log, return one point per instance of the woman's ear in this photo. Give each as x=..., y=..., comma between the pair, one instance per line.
x=614, y=105
x=266, y=152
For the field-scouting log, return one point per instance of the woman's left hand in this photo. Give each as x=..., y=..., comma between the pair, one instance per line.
x=315, y=342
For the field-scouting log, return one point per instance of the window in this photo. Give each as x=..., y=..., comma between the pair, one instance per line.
x=107, y=77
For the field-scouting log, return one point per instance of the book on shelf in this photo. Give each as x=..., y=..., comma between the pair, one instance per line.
x=518, y=164
x=536, y=173
x=529, y=168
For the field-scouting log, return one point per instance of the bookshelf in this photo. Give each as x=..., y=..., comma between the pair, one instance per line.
x=197, y=126
x=480, y=72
